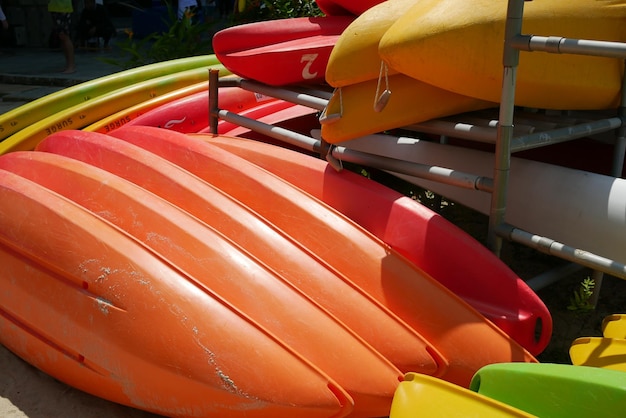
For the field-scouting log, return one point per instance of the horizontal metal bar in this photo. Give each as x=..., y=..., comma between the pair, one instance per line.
x=552, y=247
x=441, y=174
x=528, y=140
x=555, y=136
x=429, y=172
x=276, y=132
x=465, y=130
x=552, y=276
x=315, y=99
x=561, y=45
x=455, y=129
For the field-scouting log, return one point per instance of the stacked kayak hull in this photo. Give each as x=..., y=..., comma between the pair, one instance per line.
x=427, y=243
x=353, y=111
x=214, y=208
x=258, y=293
x=81, y=115
x=372, y=97
x=397, y=278
x=346, y=7
x=17, y=119
x=185, y=244
x=457, y=46
x=355, y=58
x=280, y=52
x=126, y=115
x=100, y=280
x=191, y=113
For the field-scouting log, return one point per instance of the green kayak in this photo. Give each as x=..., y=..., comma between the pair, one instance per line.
x=554, y=390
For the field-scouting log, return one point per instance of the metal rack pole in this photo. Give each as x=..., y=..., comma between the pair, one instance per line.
x=502, y=162
x=213, y=99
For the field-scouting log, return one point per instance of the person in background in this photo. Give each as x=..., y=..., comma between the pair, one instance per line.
x=188, y=6
x=225, y=7
x=94, y=22
x=61, y=13
x=3, y=19
x=4, y=26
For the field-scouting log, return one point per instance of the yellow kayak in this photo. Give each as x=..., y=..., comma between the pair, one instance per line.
x=457, y=45
x=426, y=396
x=614, y=326
x=607, y=353
x=351, y=112
x=355, y=58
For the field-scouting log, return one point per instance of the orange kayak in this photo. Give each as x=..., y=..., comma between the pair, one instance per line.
x=89, y=305
x=165, y=273
x=392, y=337
x=225, y=268
x=424, y=237
x=436, y=313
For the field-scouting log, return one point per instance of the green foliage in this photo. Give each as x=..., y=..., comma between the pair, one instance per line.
x=259, y=10
x=579, y=301
x=184, y=38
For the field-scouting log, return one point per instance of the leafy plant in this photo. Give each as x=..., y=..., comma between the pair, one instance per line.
x=258, y=10
x=580, y=300
x=184, y=38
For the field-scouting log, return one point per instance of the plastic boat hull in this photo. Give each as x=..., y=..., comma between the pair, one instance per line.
x=421, y=395
x=417, y=233
x=23, y=116
x=224, y=268
x=543, y=199
x=457, y=46
x=107, y=316
x=554, y=390
x=281, y=52
x=397, y=277
x=81, y=115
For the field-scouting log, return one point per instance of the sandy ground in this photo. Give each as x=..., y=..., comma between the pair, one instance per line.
x=27, y=392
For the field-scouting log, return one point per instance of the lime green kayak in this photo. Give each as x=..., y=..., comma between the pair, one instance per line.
x=23, y=116
x=555, y=390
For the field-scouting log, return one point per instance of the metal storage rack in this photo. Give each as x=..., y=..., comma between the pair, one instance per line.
x=507, y=138
x=515, y=42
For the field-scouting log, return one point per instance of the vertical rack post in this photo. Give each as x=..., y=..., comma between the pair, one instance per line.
x=213, y=99
x=504, y=137
x=620, y=137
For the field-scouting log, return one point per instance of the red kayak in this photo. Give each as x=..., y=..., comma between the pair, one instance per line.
x=280, y=52
x=191, y=113
x=346, y=7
